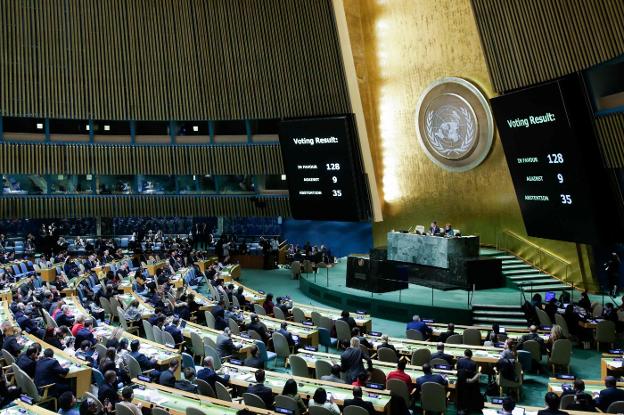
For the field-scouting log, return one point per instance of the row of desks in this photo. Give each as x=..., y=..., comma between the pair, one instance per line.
x=413, y=371
x=78, y=369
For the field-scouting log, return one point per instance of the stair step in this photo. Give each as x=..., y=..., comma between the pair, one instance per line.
x=506, y=257
x=495, y=307
x=545, y=281
x=513, y=261
x=521, y=271
x=543, y=288
x=516, y=266
x=527, y=277
x=490, y=252
x=501, y=313
x=502, y=320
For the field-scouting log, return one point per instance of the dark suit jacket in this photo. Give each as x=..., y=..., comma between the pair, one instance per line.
x=167, y=378
x=254, y=362
x=26, y=364
x=84, y=334
x=144, y=361
x=263, y=392
x=434, y=377
x=106, y=391
x=607, y=397
x=361, y=403
x=442, y=355
x=210, y=376
x=64, y=320
x=467, y=364
x=49, y=370
x=288, y=336
x=225, y=345
x=351, y=363
x=10, y=345
x=175, y=332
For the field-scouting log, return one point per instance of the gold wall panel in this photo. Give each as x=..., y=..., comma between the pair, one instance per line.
x=399, y=47
x=531, y=41
x=47, y=207
x=133, y=159
x=170, y=59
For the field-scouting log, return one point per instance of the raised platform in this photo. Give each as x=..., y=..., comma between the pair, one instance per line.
x=330, y=289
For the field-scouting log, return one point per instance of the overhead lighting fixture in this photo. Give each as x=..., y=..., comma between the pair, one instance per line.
x=195, y=128
x=107, y=128
x=39, y=126
x=283, y=177
x=88, y=128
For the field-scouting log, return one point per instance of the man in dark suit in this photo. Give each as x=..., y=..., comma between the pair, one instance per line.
x=533, y=335
x=209, y=375
x=466, y=363
x=167, y=377
x=27, y=361
x=48, y=370
x=386, y=344
x=344, y=316
x=609, y=395
x=242, y=301
x=284, y=332
x=450, y=330
x=107, y=393
x=428, y=376
x=552, y=401
x=259, y=328
x=175, y=331
x=85, y=333
x=65, y=318
x=351, y=361
x=254, y=360
x=10, y=342
x=144, y=361
x=441, y=355
x=225, y=345
x=262, y=391
x=358, y=401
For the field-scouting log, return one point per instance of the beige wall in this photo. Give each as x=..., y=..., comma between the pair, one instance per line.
x=399, y=47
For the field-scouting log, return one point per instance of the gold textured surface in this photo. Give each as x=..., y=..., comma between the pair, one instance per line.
x=399, y=47
x=170, y=59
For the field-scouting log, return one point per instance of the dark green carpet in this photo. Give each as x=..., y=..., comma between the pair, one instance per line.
x=585, y=363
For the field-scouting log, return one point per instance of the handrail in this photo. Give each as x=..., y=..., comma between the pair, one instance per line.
x=541, y=253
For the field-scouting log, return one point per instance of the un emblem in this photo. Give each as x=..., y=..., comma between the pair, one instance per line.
x=454, y=124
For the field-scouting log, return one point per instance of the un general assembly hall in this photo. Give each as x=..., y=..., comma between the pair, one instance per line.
x=311, y=207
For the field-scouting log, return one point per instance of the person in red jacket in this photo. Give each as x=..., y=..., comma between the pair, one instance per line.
x=401, y=375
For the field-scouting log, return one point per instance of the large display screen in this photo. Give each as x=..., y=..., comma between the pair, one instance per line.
x=323, y=166
x=554, y=161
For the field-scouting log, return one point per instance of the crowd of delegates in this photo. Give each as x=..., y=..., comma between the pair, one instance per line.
x=315, y=254
x=75, y=334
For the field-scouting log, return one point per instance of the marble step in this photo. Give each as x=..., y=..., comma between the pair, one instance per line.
x=527, y=277
x=523, y=271
x=544, y=288
x=543, y=281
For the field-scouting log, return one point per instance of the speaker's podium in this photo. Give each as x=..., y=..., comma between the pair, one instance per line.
x=374, y=274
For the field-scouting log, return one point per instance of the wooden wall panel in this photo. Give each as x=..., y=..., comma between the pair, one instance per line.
x=170, y=59
x=132, y=159
x=126, y=206
x=531, y=41
x=610, y=132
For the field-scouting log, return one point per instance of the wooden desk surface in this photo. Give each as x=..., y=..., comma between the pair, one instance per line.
x=242, y=376
x=176, y=401
x=413, y=371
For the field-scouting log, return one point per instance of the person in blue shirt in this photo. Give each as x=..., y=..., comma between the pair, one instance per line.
x=144, y=361
x=85, y=333
x=421, y=326
x=209, y=375
x=284, y=332
x=429, y=377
